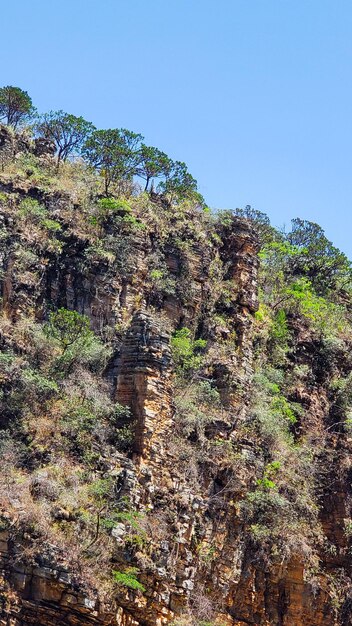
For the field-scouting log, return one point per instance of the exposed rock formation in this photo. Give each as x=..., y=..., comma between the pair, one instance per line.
x=200, y=554
x=144, y=384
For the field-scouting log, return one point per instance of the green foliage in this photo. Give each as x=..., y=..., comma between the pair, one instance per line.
x=264, y=505
x=305, y=276
x=275, y=259
x=115, y=152
x=266, y=483
x=306, y=252
x=33, y=212
x=179, y=183
x=67, y=131
x=323, y=314
x=321, y=262
x=260, y=222
x=16, y=106
x=112, y=206
x=156, y=274
x=101, y=489
x=128, y=579
x=118, y=213
x=56, y=401
x=41, y=384
x=76, y=341
x=69, y=328
x=187, y=352
x=281, y=408
x=30, y=167
x=122, y=427
x=196, y=406
x=279, y=330
x=279, y=337
x=153, y=164
x=282, y=514
x=267, y=384
x=32, y=208
x=163, y=283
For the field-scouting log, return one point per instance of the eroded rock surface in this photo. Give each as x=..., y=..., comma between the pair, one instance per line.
x=201, y=552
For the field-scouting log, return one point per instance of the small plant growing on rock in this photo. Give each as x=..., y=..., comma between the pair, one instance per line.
x=128, y=579
x=187, y=352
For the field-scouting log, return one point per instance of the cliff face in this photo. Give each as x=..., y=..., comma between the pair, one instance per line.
x=214, y=515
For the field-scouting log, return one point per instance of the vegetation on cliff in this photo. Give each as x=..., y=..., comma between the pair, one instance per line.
x=261, y=390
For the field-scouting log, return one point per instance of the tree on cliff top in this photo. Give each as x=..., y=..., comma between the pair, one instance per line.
x=115, y=152
x=67, y=131
x=153, y=164
x=15, y=106
x=180, y=184
x=317, y=258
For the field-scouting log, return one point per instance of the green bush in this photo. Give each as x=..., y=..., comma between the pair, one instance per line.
x=69, y=328
x=128, y=579
x=196, y=407
x=77, y=342
x=38, y=382
x=187, y=352
x=33, y=209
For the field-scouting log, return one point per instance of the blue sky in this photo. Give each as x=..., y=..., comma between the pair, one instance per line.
x=255, y=95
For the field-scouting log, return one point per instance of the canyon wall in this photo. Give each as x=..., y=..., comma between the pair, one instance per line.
x=200, y=555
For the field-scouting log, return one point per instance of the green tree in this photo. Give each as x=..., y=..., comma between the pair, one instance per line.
x=153, y=164
x=67, y=131
x=261, y=223
x=115, y=152
x=15, y=106
x=317, y=258
x=179, y=183
x=186, y=352
x=69, y=328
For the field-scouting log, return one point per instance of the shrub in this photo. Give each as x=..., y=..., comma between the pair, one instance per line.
x=69, y=328
x=128, y=579
x=39, y=383
x=110, y=206
x=33, y=212
x=187, y=351
x=76, y=341
x=32, y=208
x=197, y=406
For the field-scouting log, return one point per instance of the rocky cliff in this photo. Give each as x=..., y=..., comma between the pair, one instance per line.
x=184, y=457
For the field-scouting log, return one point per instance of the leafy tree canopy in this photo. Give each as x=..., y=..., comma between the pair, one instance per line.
x=116, y=152
x=67, y=131
x=316, y=257
x=15, y=106
x=153, y=164
x=179, y=183
x=68, y=327
x=261, y=222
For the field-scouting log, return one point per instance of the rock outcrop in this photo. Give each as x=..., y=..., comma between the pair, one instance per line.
x=201, y=559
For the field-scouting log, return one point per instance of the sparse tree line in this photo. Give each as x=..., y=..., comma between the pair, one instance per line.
x=118, y=154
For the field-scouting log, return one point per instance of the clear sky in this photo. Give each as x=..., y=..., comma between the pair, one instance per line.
x=255, y=95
